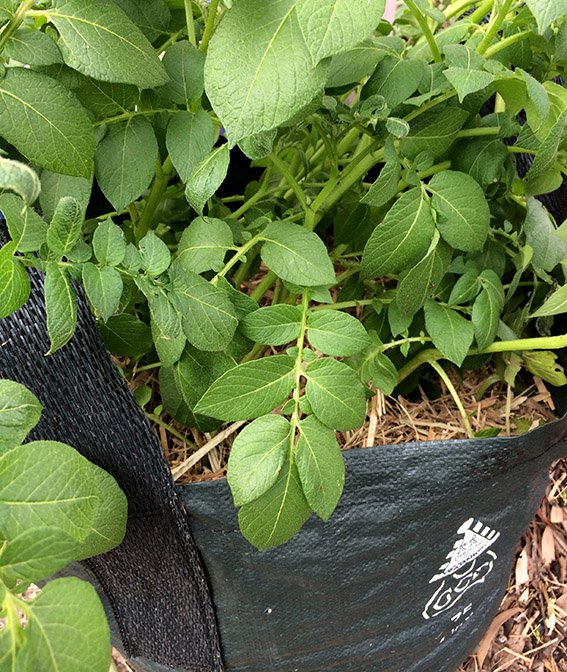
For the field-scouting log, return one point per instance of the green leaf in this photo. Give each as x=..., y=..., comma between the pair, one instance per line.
x=274, y=325
x=257, y=457
x=32, y=47
x=99, y=40
x=546, y=155
x=386, y=185
x=468, y=81
x=405, y=232
x=555, y=304
x=203, y=244
x=65, y=226
x=109, y=524
x=435, y=131
x=47, y=483
x=383, y=373
x=335, y=333
x=19, y=413
x=482, y=158
x=190, y=138
x=169, y=350
x=544, y=365
x=249, y=390
x=487, y=308
x=46, y=123
x=538, y=96
x=296, y=254
x=335, y=394
x=185, y=382
x=355, y=63
x=332, y=26
x=104, y=98
x=151, y=16
x=164, y=308
x=278, y=514
x=320, y=466
x=14, y=281
x=109, y=244
x=67, y=631
x=125, y=161
x=450, y=332
x=546, y=12
x=548, y=248
x=26, y=228
x=154, y=254
x=209, y=319
x=184, y=65
x=60, y=306
x=399, y=128
x=206, y=178
x=36, y=553
x=421, y=281
x=259, y=71
x=258, y=146
x=55, y=186
x=103, y=285
x=466, y=288
x=395, y=78
x=19, y=178
x=243, y=304
x=126, y=335
x=463, y=214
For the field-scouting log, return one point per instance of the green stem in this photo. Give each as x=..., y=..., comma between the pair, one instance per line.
x=402, y=341
x=425, y=29
x=263, y=287
x=488, y=382
x=481, y=11
x=15, y=22
x=474, y=132
x=155, y=418
x=159, y=185
x=340, y=305
x=171, y=40
x=240, y=252
x=256, y=351
x=443, y=375
x=457, y=8
x=262, y=191
x=298, y=368
x=209, y=26
x=506, y=42
x=521, y=150
x=129, y=115
x=290, y=179
x=494, y=27
x=147, y=367
x=432, y=103
x=190, y=23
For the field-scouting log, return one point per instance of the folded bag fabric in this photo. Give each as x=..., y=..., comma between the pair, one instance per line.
x=406, y=575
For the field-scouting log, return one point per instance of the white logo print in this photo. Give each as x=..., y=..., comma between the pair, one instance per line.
x=468, y=563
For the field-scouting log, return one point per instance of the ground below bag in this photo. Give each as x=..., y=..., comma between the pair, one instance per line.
x=406, y=575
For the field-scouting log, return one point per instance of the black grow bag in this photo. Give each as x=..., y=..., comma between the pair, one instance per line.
x=406, y=576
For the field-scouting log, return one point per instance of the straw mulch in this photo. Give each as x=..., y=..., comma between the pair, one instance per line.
x=528, y=633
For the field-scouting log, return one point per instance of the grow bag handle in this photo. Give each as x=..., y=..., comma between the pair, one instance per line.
x=154, y=579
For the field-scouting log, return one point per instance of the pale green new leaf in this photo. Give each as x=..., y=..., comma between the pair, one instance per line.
x=25, y=226
x=463, y=214
x=208, y=315
x=46, y=123
x=20, y=178
x=320, y=466
x=487, y=308
x=404, y=234
x=109, y=524
x=274, y=325
x=546, y=12
x=336, y=394
x=65, y=227
x=278, y=514
x=109, y=244
x=386, y=185
x=67, y=631
x=257, y=456
x=203, y=244
x=184, y=65
x=60, y=306
x=450, y=332
x=36, y=553
x=19, y=413
x=333, y=332
x=47, y=483
x=125, y=161
x=155, y=254
x=259, y=70
x=332, y=26
x=32, y=47
x=296, y=254
x=206, y=177
x=55, y=186
x=555, y=304
x=249, y=390
x=190, y=137
x=99, y=40
x=435, y=131
x=103, y=285
x=14, y=281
